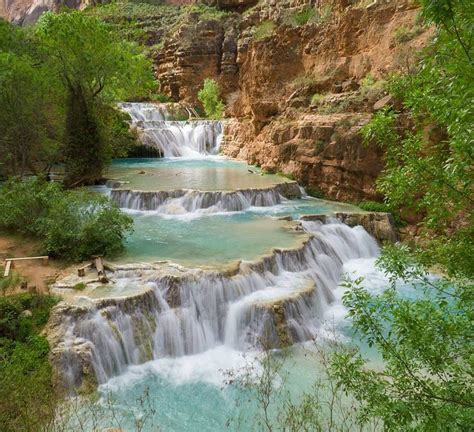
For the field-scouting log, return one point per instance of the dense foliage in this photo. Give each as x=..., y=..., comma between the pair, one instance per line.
x=58, y=81
x=71, y=225
x=210, y=99
x=27, y=398
x=425, y=340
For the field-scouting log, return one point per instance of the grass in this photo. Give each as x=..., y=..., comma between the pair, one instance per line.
x=301, y=17
x=303, y=81
x=81, y=286
x=369, y=86
x=404, y=34
x=289, y=176
x=317, y=99
x=9, y=282
x=263, y=30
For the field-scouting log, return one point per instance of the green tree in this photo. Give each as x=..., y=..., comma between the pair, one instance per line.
x=210, y=99
x=30, y=118
x=426, y=383
x=96, y=68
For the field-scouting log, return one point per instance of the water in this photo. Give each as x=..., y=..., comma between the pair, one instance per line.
x=188, y=139
x=204, y=174
x=248, y=278
x=207, y=241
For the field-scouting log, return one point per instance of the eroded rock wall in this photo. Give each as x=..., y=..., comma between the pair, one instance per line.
x=270, y=69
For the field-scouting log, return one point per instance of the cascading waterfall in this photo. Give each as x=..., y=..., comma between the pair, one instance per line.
x=278, y=300
x=188, y=138
x=191, y=201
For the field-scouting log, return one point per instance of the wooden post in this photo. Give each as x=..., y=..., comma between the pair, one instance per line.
x=8, y=266
x=99, y=265
x=81, y=271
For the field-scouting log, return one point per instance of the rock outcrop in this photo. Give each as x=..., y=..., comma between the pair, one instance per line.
x=298, y=93
x=27, y=12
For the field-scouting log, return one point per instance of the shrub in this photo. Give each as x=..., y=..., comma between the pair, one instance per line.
x=81, y=224
x=210, y=99
x=25, y=204
x=374, y=206
x=302, y=16
x=27, y=398
x=403, y=34
x=81, y=286
x=263, y=30
x=71, y=225
x=317, y=98
x=302, y=81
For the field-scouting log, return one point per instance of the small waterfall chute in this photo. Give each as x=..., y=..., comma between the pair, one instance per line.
x=158, y=127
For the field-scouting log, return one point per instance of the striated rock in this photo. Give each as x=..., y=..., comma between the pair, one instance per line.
x=200, y=48
x=27, y=12
x=383, y=103
x=318, y=150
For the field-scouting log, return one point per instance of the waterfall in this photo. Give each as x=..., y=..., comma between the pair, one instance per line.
x=275, y=301
x=186, y=138
x=192, y=201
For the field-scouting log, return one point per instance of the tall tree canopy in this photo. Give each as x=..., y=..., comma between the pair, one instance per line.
x=96, y=68
x=426, y=342
x=58, y=82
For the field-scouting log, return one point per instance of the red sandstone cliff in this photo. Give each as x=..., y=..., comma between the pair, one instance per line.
x=297, y=92
x=269, y=83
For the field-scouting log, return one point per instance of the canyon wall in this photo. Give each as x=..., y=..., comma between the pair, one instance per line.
x=298, y=92
x=299, y=77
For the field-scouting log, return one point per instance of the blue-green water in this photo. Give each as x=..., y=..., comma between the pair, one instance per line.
x=192, y=393
x=210, y=174
x=208, y=241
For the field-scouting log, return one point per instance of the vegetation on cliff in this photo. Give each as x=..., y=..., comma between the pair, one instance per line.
x=210, y=99
x=426, y=382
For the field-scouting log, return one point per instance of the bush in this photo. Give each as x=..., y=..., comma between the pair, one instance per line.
x=263, y=30
x=209, y=97
x=81, y=224
x=25, y=204
x=71, y=225
x=27, y=398
x=403, y=34
x=374, y=206
x=303, y=16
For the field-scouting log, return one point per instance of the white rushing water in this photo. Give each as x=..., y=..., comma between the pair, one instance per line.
x=205, y=316
x=187, y=138
x=280, y=300
x=191, y=201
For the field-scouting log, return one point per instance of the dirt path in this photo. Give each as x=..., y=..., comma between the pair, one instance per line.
x=33, y=272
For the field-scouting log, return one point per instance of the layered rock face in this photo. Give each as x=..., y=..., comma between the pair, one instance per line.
x=26, y=12
x=298, y=93
x=299, y=77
